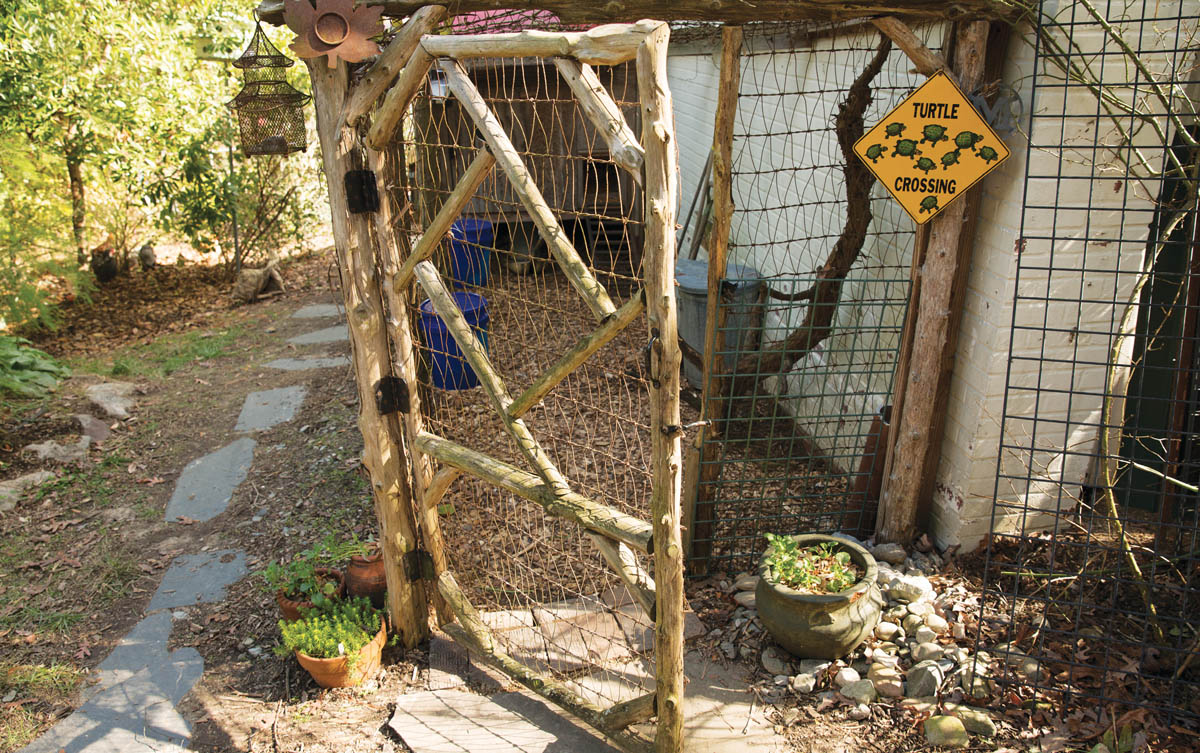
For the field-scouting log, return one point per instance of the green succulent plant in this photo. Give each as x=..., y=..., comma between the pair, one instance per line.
x=338, y=629
x=817, y=569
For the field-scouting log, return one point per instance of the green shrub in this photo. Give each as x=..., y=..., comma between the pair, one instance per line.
x=299, y=579
x=26, y=371
x=818, y=569
x=339, y=629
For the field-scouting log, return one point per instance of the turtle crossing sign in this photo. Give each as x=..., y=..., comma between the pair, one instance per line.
x=931, y=148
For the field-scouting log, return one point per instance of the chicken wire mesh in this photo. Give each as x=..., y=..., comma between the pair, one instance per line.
x=1092, y=580
x=801, y=442
x=540, y=583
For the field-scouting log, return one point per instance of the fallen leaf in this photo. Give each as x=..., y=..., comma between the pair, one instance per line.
x=152, y=481
x=185, y=520
x=83, y=652
x=201, y=381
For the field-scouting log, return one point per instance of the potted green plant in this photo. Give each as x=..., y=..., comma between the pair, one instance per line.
x=817, y=594
x=364, y=573
x=339, y=645
x=302, y=583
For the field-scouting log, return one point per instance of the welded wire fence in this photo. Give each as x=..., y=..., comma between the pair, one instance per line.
x=798, y=452
x=1092, y=582
x=538, y=580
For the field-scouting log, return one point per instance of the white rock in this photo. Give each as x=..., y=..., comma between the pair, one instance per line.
x=845, y=676
x=924, y=679
x=890, y=687
x=728, y=649
x=909, y=588
x=746, y=582
x=804, y=683
x=911, y=623
x=927, y=652
x=813, y=666
x=891, y=553
x=781, y=679
x=920, y=608
x=112, y=397
x=773, y=662
x=93, y=427
x=975, y=721
x=11, y=490
x=861, y=691
x=959, y=631
x=745, y=598
x=860, y=712
x=885, y=631
x=61, y=453
x=936, y=623
x=924, y=634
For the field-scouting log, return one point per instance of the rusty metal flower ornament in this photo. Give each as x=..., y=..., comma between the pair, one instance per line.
x=334, y=28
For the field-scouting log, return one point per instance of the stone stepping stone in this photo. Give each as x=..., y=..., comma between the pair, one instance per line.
x=206, y=485
x=198, y=578
x=267, y=408
x=453, y=721
x=317, y=311
x=450, y=666
x=303, y=364
x=333, y=334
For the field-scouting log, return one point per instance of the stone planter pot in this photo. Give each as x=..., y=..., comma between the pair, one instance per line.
x=821, y=626
x=289, y=609
x=337, y=672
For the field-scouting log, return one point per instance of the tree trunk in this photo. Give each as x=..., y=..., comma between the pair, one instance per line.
x=75, y=175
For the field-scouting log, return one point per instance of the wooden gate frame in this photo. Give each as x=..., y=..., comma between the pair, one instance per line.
x=398, y=452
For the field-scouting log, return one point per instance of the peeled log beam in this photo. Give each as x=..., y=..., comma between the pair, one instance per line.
x=731, y=11
x=593, y=516
x=523, y=185
x=926, y=60
x=621, y=715
x=393, y=58
x=624, y=562
x=476, y=172
x=396, y=102
x=610, y=44
x=598, y=105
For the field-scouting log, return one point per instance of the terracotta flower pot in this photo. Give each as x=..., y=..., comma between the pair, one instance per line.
x=289, y=608
x=336, y=673
x=821, y=626
x=365, y=577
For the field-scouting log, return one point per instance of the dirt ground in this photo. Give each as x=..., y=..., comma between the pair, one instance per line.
x=83, y=554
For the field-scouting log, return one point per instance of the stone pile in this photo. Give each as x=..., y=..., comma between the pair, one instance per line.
x=918, y=654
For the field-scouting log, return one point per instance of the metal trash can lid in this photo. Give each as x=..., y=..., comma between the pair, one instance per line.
x=692, y=276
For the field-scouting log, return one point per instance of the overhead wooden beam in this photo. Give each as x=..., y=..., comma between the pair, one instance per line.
x=476, y=173
x=731, y=11
x=921, y=424
x=610, y=44
x=661, y=197
x=523, y=185
x=398, y=98
x=395, y=55
x=598, y=105
x=593, y=516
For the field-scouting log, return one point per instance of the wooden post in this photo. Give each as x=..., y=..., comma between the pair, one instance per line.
x=715, y=384
x=523, y=185
x=405, y=366
x=384, y=69
x=598, y=105
x=473, y=351
x=382, y=453
x=920, y=426
x=593, y=516
x=661, y=195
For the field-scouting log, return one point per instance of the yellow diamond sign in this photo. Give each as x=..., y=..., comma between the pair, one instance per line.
x=931, y=148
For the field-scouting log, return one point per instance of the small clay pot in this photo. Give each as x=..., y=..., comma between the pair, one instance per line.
x=289, y=609
x=365, y=577
x=821, y=626
x=335, y=673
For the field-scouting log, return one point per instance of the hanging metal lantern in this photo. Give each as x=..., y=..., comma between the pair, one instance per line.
x=270, y=118
x=270, y=112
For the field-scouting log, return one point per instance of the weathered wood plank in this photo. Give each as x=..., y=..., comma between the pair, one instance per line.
x=598, y=105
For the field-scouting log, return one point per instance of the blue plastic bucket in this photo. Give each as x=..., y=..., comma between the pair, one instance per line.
x=470, y=250
x=449, y=370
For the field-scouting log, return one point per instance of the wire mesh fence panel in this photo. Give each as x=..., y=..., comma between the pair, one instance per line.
x=540, y=582
x=1092, y=582
x=802, y=437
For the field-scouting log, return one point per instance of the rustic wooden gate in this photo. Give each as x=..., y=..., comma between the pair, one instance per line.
x=410, y=498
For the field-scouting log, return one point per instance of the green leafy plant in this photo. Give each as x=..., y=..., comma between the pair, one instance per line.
x=819, y=569
x=26, y=371
x=338, y=629
x=299, y=579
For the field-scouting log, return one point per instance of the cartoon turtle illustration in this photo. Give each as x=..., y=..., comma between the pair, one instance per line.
x=934, y=133
x=925, y=164
x=987, y=154
x=949, y=158
x=967, y=140
x=928, y=204
x=875, y=151
x=905, y=148
x=893, y=130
